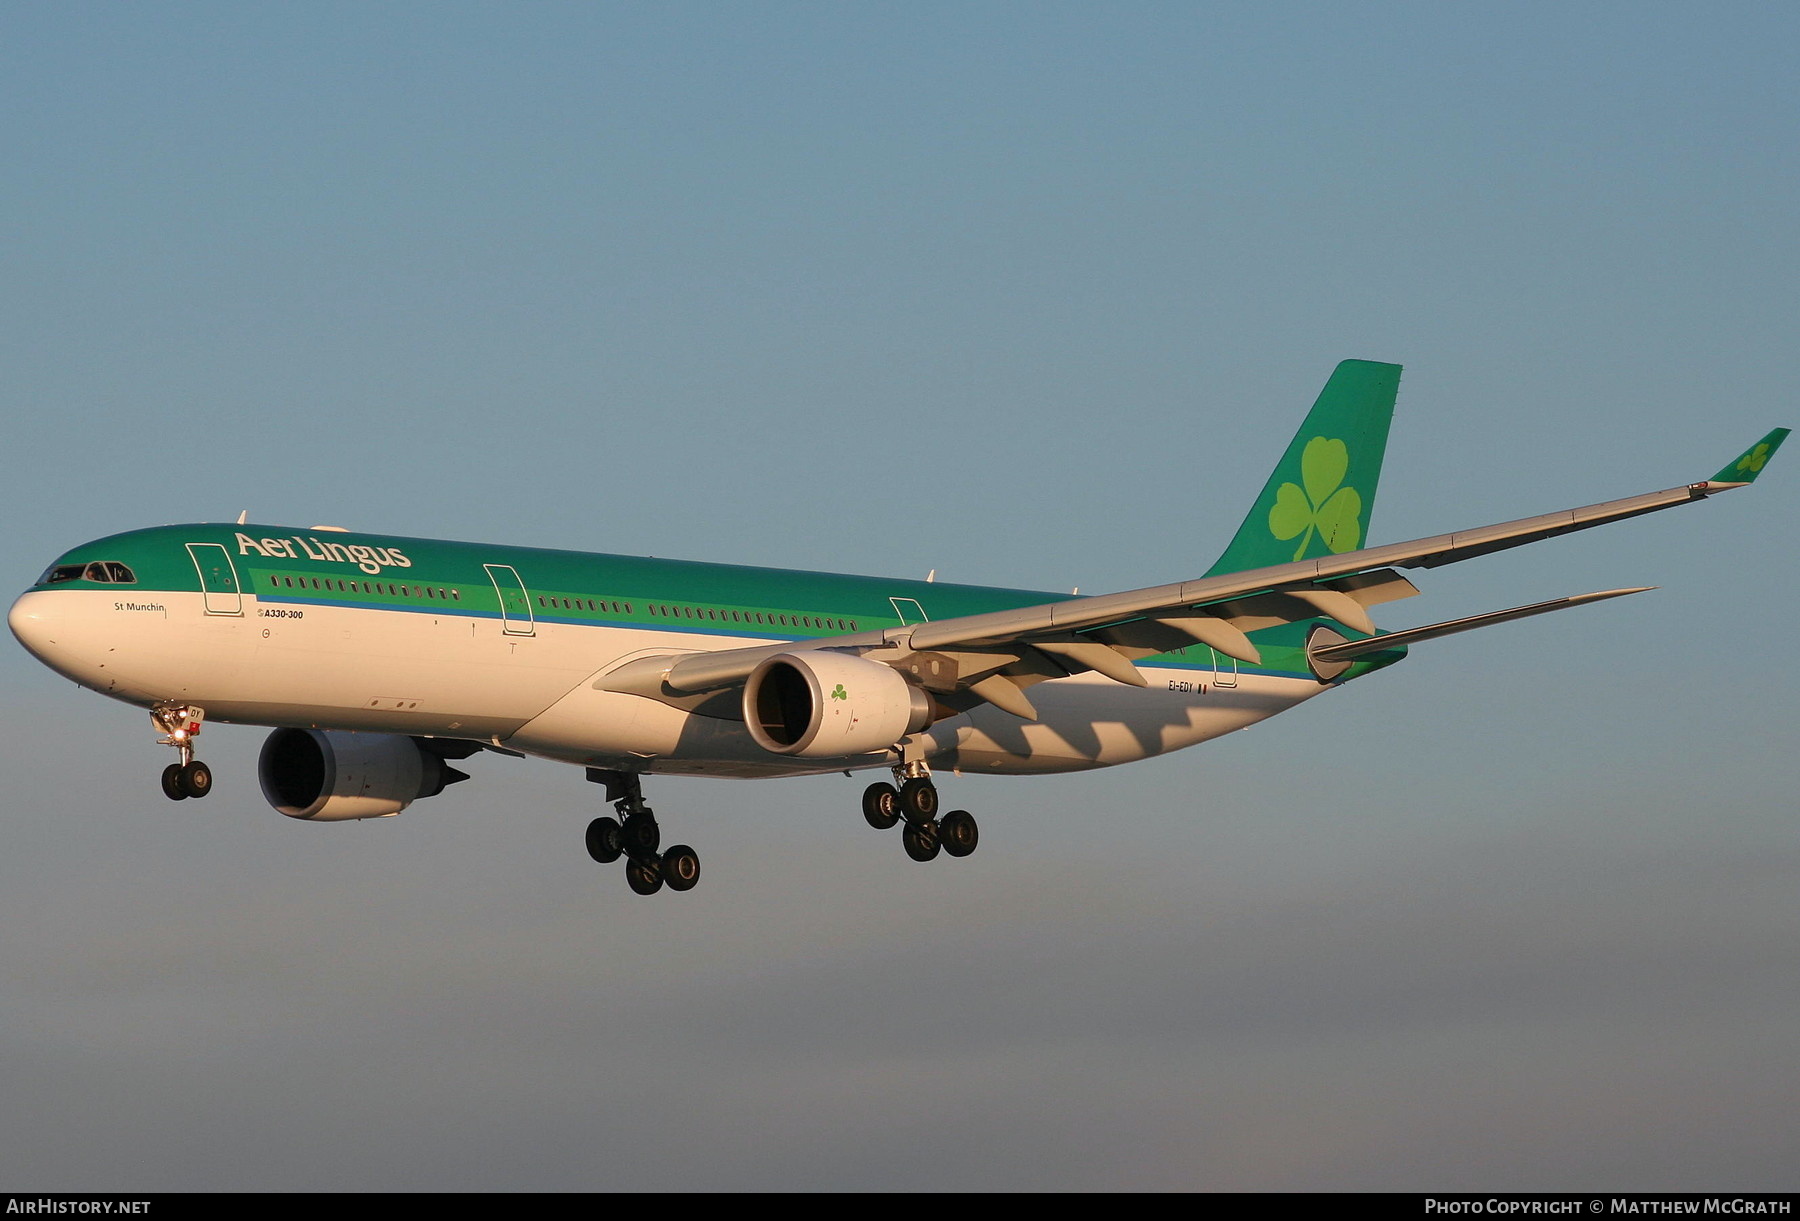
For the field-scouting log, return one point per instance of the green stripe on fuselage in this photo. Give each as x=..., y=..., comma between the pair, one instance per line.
x=451, y=578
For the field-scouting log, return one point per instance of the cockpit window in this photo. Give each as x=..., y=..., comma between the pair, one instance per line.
x=106, y=572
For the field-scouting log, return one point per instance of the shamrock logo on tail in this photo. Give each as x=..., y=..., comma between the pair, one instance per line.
x=1324, y=505
x=1752, y=462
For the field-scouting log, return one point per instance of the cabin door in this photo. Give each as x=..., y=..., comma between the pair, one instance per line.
x=218, y=578
x=910, y=612
x=515, y=603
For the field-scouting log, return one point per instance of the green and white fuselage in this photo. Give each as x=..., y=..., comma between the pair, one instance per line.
x=379, y=659
x=512, y=646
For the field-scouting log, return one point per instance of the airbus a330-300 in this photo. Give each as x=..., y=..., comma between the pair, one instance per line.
x=383, y=661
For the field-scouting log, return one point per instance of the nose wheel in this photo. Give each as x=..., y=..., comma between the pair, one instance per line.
x=183, y=780
x=914, y=801
x=180, y=725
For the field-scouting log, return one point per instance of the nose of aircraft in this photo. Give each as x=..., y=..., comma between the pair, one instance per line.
x=50, y=624
x=47, y=624
x=32, y=621
x=82, y=638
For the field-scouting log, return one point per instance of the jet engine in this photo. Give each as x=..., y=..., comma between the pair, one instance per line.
x=826, y=705
x=332, y=776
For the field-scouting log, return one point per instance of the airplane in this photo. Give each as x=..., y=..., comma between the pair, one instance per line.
x=381, y=661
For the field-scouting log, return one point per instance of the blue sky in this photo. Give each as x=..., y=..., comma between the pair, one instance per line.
x=1028, y=294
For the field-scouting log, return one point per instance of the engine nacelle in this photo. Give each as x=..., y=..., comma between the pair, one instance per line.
x=332, y=776
x=828, y=705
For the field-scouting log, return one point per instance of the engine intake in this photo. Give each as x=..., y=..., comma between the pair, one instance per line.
x=333, y=776
x=828, y=705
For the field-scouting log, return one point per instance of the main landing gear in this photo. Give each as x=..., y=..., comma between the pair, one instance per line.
x=635, y=836
x=180, y=724
x=916, y=802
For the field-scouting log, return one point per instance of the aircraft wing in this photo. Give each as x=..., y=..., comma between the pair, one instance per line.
x=993, y=657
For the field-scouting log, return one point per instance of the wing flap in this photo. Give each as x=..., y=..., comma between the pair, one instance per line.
x=1092, y=655
x=1165, y=633
x=1004, y=694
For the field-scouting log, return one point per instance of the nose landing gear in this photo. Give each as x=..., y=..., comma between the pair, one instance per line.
x=916, y=802
x=180, y=724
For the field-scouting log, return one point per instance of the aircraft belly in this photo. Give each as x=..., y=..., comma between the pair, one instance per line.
x=595, y=727
x=1090, y=722
x=599, y=728
x=1084, y=723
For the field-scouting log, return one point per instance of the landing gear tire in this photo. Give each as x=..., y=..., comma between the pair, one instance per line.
x=680, y=867
x=958, y=833
x=603, y=840
x=195, y=779
x=918, y=801
x=921, y=840
x=640, y=835
x=171, y=783
x=881, y=806
x=645, y=876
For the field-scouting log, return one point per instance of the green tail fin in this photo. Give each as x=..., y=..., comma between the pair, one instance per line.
x=1319, y=498
x=1748, y=465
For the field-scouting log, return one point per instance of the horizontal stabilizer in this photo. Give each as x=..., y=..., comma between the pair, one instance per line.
x=1375, y=644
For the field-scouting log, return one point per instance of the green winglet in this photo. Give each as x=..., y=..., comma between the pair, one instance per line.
x=1748, y=465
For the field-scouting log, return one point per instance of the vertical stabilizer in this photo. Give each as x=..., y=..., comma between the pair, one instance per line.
x=1319, y=498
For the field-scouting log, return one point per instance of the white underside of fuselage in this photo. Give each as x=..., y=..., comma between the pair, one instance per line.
x=449, y=675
